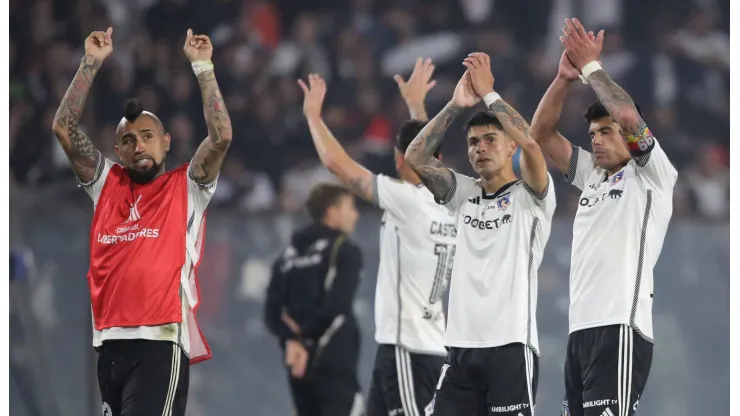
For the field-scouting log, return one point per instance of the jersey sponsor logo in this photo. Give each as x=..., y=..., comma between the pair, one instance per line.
x=599, y=403
x=590, y=202
x=130, y=233
x=475, y=200
x=510, y=408
x=442, y=229
x=493, y=224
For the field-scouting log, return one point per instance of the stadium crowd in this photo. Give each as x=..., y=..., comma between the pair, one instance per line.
x=673, y=60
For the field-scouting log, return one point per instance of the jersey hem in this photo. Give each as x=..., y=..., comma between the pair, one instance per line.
x=441, y=353
x=488, y=344
x=600, y=324
x=117, y=337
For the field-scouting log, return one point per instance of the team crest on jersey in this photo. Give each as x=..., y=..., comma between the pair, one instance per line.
x=503, y=203
x=107, y=410
x=617, y=178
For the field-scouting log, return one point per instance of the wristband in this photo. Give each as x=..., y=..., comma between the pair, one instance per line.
x=200, y=67
x=589, y=69
x=491, y=98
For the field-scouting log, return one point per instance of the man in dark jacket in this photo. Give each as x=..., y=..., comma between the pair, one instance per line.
x=309, y=307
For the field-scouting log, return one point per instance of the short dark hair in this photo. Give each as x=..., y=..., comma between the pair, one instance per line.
x=483, y=118
x=597, y=110
x=408, y=132
x=323, y=196
x=132, y=109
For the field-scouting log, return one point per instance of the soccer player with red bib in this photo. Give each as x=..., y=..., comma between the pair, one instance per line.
x=146, y=238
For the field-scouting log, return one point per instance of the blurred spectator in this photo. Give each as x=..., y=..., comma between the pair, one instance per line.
x=262, y=46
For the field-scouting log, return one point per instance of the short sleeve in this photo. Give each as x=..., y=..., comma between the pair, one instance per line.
x=396, y=196
x=580, y=168
x=200, y=193
x=463, y=187
x=95, y=186
x=545, y=201
x=655, y=168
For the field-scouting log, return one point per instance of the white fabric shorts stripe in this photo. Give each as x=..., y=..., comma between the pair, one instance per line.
x=406, y=382
x=529, y=368
x=174, y=378
x=624, y=370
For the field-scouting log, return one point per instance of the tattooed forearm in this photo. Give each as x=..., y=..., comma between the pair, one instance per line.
x=79, y=148
x=210, y=155
x=617, y=102
x=214, y=109
x=509, y=119
x=363, y=186
x=421, y=150
x=437, y=178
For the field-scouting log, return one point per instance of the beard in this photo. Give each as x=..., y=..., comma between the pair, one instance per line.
x=142, y=177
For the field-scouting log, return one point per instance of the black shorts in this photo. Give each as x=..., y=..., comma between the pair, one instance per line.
x=403, y=382
x=606, y=369
x=487, y=381
x=142, y=378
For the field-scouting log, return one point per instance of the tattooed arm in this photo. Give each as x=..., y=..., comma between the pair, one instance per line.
x=420, y=154
x=80, y=150
x=532, y=161
x=617, y=102
x=210, y=154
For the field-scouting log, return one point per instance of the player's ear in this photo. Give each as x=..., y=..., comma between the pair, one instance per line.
x=167, y=142
x=118, y=152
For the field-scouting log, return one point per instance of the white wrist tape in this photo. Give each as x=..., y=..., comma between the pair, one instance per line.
x=491, y=98
x=200, y=67
x=589, y=69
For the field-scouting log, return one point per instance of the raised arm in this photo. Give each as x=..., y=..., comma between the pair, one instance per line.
x=532, y=161
x=80, y=150
x=414, y=91
x=544, y=128
x=584, y=51
x=420, y=154
x=353, y=175
x=210, y=154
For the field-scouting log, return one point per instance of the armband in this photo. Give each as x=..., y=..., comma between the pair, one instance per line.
x=641, y=143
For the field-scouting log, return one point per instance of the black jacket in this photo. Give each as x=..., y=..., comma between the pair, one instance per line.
x=314, y=281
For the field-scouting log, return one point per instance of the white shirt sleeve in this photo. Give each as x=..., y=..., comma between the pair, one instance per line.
x=580, y=168
x=656, y=169
x=396, y=196
x=463, y=187
x=200, y=194
x=95, y=186
x=544, y=202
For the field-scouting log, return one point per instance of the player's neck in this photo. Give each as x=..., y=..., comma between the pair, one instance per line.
x=493, y=184
x=411, y=177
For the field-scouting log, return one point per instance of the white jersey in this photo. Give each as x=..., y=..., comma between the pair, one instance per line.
x=198, y=198
x=618, y=233
x=417, y=247
x=500, y=242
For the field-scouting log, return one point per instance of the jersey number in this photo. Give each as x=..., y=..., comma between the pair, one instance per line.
x=445, y=257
